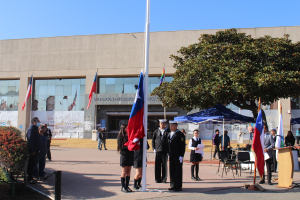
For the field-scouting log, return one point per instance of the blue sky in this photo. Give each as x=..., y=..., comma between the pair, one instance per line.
x=49, y=18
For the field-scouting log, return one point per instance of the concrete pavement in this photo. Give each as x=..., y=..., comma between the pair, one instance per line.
x=94, y=174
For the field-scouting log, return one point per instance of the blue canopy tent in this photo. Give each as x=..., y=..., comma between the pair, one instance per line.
x=216, y=114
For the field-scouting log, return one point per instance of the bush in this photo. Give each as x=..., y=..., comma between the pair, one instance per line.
x=13, y=149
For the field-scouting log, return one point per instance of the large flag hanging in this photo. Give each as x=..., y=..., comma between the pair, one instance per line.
x=136, y=119
x=258, y=144
x=93, y=89
x=29, y=91
x=279, y=140
x=162, y=77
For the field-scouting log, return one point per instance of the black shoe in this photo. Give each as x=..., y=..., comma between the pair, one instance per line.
x=158, y=181
x=129, y=190
x=193, y=178
x=123, y=189
x=171, y=188
x=262, y=182
x=164, y=181
x=269, y=183
x=100, y=149
x=198, y=179
x=105, y=149
x=178, y=190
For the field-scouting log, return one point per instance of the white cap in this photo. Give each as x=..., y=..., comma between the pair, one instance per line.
x=162, y=120
x=172, y=122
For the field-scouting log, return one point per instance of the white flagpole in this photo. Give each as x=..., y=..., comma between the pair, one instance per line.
x=146, y=97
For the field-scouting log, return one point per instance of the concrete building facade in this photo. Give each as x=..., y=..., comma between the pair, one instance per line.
x=64, y=68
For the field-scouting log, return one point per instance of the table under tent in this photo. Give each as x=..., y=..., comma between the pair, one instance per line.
x=215, y=115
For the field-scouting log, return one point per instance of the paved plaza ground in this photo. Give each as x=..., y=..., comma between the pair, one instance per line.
x=94, y=174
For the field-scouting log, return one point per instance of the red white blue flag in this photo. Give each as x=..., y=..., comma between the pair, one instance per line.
x=29, y=91
x=93, y=89
x=258, y=144
x=136, y=119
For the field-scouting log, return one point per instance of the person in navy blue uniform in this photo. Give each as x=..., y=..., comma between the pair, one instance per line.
x=216, y=142
x=160, y=148
x=195, y=158
x=126, y=158
x=176, y=143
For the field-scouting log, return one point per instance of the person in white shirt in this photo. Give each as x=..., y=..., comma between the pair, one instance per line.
x=195, y=157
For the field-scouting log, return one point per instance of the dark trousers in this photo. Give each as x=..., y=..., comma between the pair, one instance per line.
x=269, y=170
x=175, y=172
x=103, y=142
x=48, y=152
x=298, y=138
x=217, y=150
x=274, y=161
x=32, y=166
x=161, y=168
x=42, y=163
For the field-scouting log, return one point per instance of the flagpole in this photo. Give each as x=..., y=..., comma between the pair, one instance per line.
x=96, y=101
x=253, y=187
x=165, y=112
x=31, y=98
x=146, y=96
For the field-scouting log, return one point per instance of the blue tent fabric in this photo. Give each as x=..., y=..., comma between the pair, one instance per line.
x=295, y=121
x=215, y=115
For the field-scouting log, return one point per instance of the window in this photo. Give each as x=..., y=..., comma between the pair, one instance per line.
x=9, y=95
x=59, y=95
x=126, y=85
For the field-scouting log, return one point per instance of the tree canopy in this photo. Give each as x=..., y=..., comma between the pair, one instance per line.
x=231, y=67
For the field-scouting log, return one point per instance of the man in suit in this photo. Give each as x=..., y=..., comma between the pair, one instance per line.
x=274, y=161
x=160, y=148
x=269, y=144
x=176, y=143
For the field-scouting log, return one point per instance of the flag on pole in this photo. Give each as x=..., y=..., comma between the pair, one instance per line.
x=258, y=144
x=73, y=104
x=29, y=91
x=93, y=89
x=136, y=119
x=162, y=77
x=279, y=140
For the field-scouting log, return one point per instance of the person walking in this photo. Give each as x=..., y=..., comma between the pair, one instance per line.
x=99, y=136
x=195, y=157
x=103, y=138
x=160, y=148
x=176, y=144
x=126, y=158
x=48, y=134
x=216, y=142
x=32, y=137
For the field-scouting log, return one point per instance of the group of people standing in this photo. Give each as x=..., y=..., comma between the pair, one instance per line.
x=38, y=137
x=168, y=144
x=217, y=140
x=101, y=136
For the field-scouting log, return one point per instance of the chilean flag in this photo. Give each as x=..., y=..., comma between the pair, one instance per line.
x=258, y=144
x=29, y=91
x=93, y=89
x=136, y=119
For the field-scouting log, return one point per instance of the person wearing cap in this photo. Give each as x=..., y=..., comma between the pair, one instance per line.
x=176, y=144
x=160, y=148
x=269, y=144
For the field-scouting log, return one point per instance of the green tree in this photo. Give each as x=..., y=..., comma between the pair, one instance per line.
x=230, y=67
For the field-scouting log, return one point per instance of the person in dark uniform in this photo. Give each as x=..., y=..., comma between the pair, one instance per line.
x=195, y=158
x=160, y=148
x=138, y=165
x=274, y=161
x=176, y=144
x=126, y=158
x=103, y=138
x=48, y=134
x=216, y=142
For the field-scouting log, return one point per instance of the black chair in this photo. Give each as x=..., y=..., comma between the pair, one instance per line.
x=244, y=157
x=228, y=164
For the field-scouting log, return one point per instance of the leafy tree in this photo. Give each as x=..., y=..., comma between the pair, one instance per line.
x=231, y=67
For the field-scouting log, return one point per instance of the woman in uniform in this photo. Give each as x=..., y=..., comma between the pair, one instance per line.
x=126, y=158
x=138, y=165
x=195, y=158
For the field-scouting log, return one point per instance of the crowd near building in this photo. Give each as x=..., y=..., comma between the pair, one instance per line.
x=63, y=71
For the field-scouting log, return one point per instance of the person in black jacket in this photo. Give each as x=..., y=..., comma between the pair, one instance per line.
x=32, y=138
x=138, y=165
x=289, y=139
x=160, y=148
x=176, y=143
x=126, y=158
x=195, y=157
x=48, y=134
